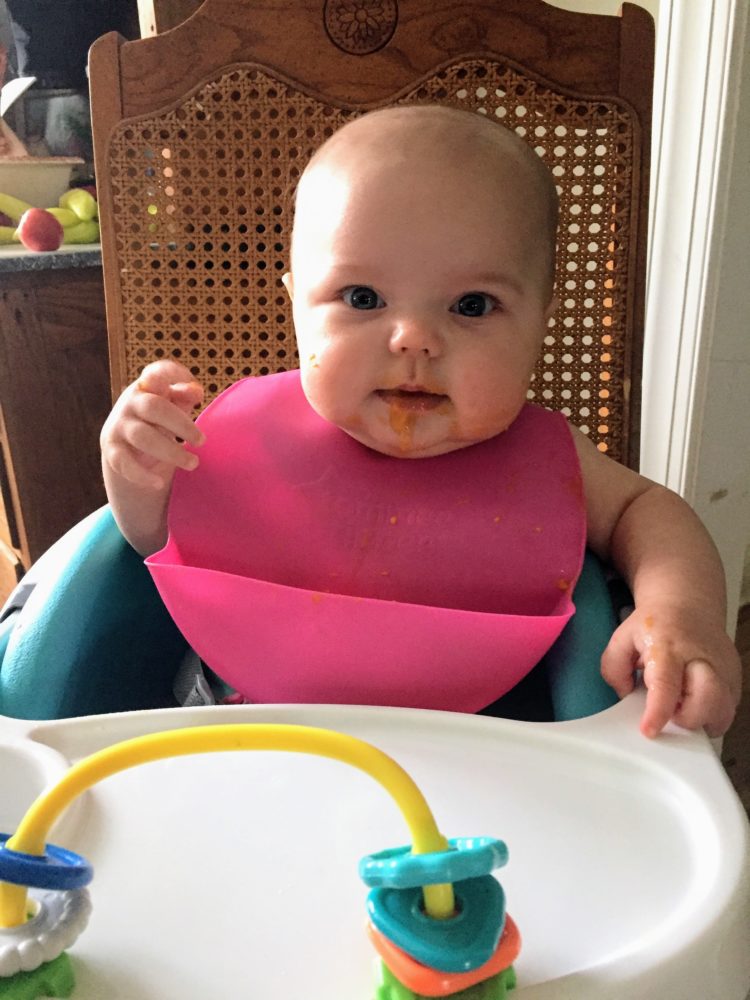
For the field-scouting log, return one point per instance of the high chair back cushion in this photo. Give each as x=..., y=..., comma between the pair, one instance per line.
x=201, y=133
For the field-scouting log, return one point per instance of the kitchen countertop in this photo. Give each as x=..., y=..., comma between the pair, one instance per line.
x=17, y=258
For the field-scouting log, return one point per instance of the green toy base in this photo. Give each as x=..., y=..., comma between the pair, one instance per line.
x=494, y=988
x=53, y=979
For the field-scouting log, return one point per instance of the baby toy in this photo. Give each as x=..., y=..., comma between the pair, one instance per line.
x=437, y=916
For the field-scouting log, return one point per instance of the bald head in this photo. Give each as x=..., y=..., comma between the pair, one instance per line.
x=423, y=138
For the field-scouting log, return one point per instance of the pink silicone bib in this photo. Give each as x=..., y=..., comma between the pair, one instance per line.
x=304, y=567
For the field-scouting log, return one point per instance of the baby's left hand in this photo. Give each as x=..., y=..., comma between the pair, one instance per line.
x=691, y=669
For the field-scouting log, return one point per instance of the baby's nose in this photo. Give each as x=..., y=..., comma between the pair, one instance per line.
x=416, y=336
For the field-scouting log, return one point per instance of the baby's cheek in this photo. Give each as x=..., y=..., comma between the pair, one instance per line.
x=313, y=385
x=309, y=362
x=487, y=417
x=325, y=391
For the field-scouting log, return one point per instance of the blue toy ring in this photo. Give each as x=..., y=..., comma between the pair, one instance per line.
x=57, y=868
x=398, y=868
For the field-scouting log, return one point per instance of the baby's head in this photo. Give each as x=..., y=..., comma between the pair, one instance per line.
x=421, y=278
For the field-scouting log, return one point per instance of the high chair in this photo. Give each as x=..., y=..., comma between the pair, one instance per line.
x=628, y=873
x=200, y=135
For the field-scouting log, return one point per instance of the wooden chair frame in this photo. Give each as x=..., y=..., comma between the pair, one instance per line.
x=328, y=62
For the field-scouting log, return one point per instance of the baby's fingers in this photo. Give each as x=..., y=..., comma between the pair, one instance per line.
x=706, y=700
x=173, y=381
x=619, y=661
x=134, y=467
x=160, y=413
x=663, y=678
x=156, y=446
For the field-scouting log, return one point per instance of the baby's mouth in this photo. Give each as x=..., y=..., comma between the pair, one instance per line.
x=416, y=398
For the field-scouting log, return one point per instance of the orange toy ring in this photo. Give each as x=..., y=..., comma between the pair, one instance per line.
x=433, y=983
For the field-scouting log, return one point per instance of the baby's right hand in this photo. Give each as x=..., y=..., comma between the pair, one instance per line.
x=142, y=439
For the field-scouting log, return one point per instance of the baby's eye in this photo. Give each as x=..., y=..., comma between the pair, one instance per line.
x=474, y=304
x=362, y=297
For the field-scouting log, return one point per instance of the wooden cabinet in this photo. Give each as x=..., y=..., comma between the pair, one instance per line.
x=54, y=397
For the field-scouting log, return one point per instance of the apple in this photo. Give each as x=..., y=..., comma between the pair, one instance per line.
x=38, y=230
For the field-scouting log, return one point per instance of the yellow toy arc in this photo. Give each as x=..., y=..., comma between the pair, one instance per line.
x=32, y=833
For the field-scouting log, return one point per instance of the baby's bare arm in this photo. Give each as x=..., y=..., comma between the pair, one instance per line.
x=141, y=444
x=677, y=633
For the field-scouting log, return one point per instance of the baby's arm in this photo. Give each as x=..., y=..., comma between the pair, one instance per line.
x=141, y=448
x=677, y=633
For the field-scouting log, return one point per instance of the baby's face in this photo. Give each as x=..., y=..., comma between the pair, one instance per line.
x=418, y=305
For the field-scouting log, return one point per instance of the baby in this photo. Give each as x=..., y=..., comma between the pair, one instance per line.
x=421, y=280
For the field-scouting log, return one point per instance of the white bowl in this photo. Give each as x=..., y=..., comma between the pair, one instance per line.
x=39, y=180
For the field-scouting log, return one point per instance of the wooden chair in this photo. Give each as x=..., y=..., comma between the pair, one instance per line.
x=200, y=134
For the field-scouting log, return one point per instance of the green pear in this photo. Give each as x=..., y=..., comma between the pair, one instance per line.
x=81, y=202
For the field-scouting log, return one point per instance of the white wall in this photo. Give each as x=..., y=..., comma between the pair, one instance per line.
x=717, y=466
x=603, y=6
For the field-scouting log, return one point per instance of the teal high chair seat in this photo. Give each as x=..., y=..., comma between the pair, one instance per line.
x=87, y=633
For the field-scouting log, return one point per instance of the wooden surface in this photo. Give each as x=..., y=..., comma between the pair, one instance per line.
x=54, y=393
x=559, y=45
x=142, y=92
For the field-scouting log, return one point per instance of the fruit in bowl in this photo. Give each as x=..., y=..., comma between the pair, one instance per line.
x=73, y=220
x=82, y=202
x=39, y=230
x=38, y=180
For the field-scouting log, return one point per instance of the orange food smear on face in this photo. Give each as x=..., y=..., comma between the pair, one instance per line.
x=563, y=584
x=394, y=519
x=402, y=423
x=649, y=623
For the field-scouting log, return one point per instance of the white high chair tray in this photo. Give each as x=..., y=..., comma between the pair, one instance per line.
x=235, y=874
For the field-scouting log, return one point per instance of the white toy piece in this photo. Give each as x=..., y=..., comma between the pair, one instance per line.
x=59, y=919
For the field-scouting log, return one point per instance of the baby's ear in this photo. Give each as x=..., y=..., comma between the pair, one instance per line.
x=288, y=284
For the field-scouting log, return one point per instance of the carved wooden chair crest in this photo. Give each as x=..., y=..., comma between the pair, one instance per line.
x=201, y=133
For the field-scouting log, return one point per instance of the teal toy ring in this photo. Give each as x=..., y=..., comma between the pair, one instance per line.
x=398, y=868
x=459, y=943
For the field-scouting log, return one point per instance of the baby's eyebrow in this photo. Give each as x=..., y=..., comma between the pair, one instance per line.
x=495, y=278
x=348, y=267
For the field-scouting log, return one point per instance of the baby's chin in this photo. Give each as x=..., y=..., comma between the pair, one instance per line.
x=414, y=448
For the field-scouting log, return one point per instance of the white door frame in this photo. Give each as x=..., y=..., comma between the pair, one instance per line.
x=696, y=392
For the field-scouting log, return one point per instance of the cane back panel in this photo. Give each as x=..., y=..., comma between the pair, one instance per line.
x=200, y=219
